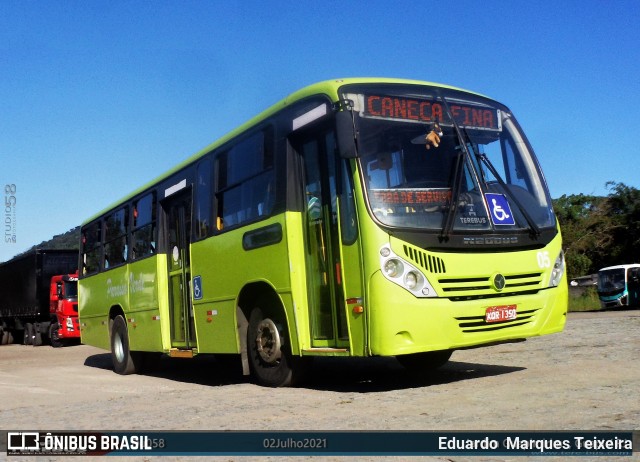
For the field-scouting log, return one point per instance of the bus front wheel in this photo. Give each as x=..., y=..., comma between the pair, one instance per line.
x=124, y=360
x=269, y=352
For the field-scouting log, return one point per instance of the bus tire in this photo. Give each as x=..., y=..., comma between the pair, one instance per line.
x=425, y=362
x=123, y=359
x=270, y=358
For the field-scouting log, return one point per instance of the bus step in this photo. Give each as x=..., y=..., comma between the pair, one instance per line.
x=176, y=353
x=326, y=351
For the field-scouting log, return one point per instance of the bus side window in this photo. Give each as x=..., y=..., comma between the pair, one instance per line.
x=348, y=215
x=115, y=237
x=203, y=199
x=91, y=248
x=144, y=227
x=245, y=188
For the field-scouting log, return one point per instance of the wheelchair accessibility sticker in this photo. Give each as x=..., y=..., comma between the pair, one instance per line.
x=197, y=288
x=500, y=211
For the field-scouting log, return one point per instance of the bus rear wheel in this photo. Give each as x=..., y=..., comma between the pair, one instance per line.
x=125, y=361
x=270, y=358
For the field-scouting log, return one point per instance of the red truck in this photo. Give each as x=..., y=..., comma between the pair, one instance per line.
x=39, y=298
x=63, y=308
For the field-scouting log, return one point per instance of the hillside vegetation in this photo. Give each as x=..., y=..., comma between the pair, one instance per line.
x=600, y=231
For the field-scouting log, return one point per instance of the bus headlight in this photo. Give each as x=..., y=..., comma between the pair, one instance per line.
x=393, y=268
x=404, y=274
x=411, y=280
x=558, y=270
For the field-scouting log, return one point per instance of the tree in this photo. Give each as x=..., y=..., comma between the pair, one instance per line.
x=586, y=230
x=624, y=206
x=600, y=231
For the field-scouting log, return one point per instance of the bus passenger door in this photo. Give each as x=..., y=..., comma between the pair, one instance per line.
x=327, y=298
x=178, y=234
x=634, y=286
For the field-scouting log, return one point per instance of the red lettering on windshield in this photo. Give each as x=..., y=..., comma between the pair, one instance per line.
x=387, y=107
x=370, y=105
x=410, y=109
x=400, y=108
x=407, y=197
x=436, y=111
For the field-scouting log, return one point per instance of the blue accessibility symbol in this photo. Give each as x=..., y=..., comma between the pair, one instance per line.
x=197, y=288
x=500, y=211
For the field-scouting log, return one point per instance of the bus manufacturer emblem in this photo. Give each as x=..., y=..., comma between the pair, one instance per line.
x=498, y=282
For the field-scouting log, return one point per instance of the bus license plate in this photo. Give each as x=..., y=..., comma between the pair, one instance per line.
x=501, y=313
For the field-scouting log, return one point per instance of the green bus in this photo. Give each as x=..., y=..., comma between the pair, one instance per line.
x=355, y=218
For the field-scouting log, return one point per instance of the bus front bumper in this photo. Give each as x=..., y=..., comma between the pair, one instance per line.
x=400, y=323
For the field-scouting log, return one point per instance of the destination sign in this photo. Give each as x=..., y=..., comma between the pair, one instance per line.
x=428, y=111
x=411, y=197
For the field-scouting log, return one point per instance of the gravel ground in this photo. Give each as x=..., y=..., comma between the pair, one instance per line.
x=585, y=378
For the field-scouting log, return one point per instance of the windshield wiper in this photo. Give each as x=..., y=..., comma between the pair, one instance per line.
x=448, y=228
x=457, y=179
x=533, y=227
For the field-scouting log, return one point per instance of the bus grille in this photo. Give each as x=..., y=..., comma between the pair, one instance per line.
x=462, y=289
x=471, y=324
x=426, y=261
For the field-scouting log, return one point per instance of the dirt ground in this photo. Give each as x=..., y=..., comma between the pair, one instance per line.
x=585, y=378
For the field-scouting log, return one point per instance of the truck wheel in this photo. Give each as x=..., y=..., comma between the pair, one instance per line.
x=37, y=335
x=125, y=362
x=270, y=356
x=28, y=334
x=56, y=341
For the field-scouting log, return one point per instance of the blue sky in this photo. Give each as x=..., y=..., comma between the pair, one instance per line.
x=99, y=97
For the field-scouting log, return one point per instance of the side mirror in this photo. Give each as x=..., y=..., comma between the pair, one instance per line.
x=346, y=135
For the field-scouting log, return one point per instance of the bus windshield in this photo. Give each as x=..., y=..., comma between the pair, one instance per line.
x=485, y=167
x=612, y=280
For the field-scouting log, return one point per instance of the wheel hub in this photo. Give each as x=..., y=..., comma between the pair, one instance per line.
x=268, y=341
x=118, y=348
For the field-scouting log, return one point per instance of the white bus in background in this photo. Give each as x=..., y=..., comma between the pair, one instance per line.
x=619, y=286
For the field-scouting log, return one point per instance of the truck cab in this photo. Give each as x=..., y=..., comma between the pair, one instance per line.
x=64, y=309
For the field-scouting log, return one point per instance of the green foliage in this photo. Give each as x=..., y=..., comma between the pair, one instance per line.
x=585, y=300
x=600, y=231
x=578, y=264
